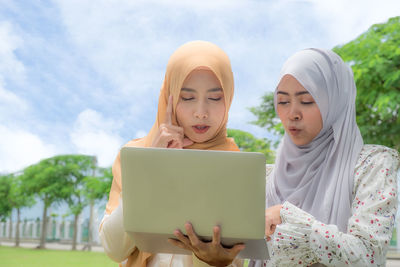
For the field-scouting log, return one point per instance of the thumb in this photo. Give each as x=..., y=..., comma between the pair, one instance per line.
x=271, y=230
x=237, y=248
x=187, y=142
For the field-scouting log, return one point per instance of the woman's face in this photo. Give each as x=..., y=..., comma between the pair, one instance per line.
x=201, y=105
x=298, y=111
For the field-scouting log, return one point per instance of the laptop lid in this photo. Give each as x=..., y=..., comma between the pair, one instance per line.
x=164, y=188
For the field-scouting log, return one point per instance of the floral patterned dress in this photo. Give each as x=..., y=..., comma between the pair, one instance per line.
x=301, y=240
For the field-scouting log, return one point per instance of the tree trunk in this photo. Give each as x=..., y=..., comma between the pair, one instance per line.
x=44, y=228
x=17, y=230
x=75, y=232
x=90, y=237
x=11, y=226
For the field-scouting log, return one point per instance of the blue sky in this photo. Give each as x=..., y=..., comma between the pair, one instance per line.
x=82, y=76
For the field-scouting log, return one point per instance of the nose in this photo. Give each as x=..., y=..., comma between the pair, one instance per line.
x=295, y=113
x=201, y=111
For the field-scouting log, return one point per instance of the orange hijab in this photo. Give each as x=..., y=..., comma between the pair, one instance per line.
x=188, y=57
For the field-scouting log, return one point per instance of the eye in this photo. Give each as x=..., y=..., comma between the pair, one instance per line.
x=307, y=102
x=215, y=98
x=187, y=98
x=283, y=102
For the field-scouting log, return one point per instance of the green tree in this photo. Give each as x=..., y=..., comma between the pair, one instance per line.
x=266, y=116
x=248, y=143
x=79, y=167
x=96, y=187
x=49, y=181
x=375, y=59
x=5, y=206
x=19, y=199
x=5, y=187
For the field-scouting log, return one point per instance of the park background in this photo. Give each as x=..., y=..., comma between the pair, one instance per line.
x=78, y=79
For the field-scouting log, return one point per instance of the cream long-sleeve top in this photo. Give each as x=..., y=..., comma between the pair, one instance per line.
x=301, y=240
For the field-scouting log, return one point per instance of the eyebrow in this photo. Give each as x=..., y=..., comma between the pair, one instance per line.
x=209, y=90
x=296, y=94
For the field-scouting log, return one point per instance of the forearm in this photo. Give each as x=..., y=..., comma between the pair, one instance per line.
x=198, y=263
x=334, y=248
x=302, y=240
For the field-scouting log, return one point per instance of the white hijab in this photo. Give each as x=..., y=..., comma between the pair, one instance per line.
x=318, y=177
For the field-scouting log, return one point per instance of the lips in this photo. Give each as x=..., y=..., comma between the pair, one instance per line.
x=200, y=129
x=294, y=130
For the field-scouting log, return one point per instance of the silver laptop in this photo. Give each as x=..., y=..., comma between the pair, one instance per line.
x=164, y=188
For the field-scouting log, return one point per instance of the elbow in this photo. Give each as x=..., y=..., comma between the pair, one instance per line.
x=116, y=249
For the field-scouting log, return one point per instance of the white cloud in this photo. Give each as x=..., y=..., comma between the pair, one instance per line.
x=94, y=135
x=20, y=148
x=11, y=70
x=7, y=97
x=10, y=66
x=345, y=20
x=10, y=103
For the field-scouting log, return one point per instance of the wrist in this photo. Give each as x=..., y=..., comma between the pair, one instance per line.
x=216, y=263
x=221, y=264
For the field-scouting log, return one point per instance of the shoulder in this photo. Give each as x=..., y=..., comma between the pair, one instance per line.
x=375, y=154
x=138, y=142
x=376, y=168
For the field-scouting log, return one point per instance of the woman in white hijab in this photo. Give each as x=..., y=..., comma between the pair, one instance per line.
x=331, y=199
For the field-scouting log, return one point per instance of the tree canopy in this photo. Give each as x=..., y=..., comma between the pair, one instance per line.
x=5, y=188
x=375, y=59
x=98, y=187
x=54, y=180
x=266, y=116
x=248, y=143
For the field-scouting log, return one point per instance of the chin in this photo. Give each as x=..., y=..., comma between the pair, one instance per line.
x=301, y=143
x=198, y=140
x=297, y=142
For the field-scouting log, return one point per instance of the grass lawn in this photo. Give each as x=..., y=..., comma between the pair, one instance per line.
x=21, y=257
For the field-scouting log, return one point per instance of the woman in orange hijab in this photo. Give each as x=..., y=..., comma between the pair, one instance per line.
x=192, y=114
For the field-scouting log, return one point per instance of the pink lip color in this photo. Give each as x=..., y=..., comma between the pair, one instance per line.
x=294, y=131
x=200, y=129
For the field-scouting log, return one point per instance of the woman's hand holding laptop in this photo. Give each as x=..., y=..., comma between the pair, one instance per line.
x=213, y=253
